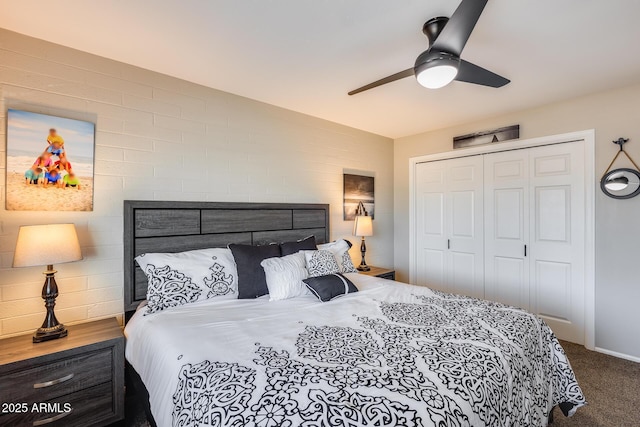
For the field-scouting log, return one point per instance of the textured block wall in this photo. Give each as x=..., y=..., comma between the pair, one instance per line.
x=161, y=138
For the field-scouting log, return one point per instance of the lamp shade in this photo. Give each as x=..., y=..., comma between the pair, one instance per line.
x=46, y=245
x=363, y=227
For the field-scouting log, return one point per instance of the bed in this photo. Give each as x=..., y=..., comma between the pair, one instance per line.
x=390, y=354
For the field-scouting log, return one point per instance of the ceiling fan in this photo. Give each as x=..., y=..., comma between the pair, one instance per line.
x=439, y=65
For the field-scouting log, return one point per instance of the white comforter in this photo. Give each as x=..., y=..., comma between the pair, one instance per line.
x=389, y=355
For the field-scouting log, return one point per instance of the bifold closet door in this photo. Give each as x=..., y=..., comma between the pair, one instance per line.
x=506, y=177
x=464, y=226
x=509, y=227
x=449, y=241
x=431, y=237
x=557, y=237
x=534, y=233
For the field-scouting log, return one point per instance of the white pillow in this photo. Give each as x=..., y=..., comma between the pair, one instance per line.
x=340, y=250
x=321, y=263
x=186, y=277
x=285, y=276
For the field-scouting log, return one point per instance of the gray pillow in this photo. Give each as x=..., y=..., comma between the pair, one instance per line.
x=306, y=244
x=331, y=286
x=252, y=282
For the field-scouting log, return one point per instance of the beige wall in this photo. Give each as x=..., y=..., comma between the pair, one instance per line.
x=612, y=114
x=160, y=138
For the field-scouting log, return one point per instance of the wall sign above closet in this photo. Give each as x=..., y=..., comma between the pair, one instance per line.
x=487, y=137
x=622, y=183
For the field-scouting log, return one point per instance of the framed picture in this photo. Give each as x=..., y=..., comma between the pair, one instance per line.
x=49, y=163
x=487, y=137
x=358, y=188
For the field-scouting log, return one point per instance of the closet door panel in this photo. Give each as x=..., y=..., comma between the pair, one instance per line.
x=557, y=238
x=462, y=270
x=553, y=214
x=553, y=282
x=449, y=214
x=506, y=177
x=431, y=269
x=509, y=214
x=507, y=274
x=465, y=214
x=431, y=239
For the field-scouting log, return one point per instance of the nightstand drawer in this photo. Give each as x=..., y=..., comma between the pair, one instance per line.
x=88, y=407
x=57, y=378
x=383, y=273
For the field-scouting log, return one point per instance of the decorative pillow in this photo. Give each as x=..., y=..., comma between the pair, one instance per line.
x=180, y=278
x=340, y=249
x=306, y=244
x=330, y=286
x=320, y=263
x=252, y=282
x=285, y=275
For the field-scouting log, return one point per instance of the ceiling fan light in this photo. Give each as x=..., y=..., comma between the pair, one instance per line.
x=437, y=76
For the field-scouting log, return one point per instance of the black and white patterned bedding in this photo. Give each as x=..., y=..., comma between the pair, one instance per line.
x=389, y=355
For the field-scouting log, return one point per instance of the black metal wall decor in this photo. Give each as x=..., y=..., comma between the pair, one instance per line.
x=622, y=183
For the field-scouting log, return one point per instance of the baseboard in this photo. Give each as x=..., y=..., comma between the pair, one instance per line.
x=619, y=355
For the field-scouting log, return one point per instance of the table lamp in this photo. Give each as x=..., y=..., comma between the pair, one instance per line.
x=47, y=245
x=363, y=227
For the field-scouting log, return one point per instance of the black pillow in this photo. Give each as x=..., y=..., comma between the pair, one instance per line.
x=307, y=244
x=330, y=286
x=252, y=282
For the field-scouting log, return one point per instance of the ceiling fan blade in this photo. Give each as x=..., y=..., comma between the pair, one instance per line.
x=471, y=73
x=456, y=32
x=392, y=78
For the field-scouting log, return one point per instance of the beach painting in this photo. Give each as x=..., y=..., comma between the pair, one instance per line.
x=358, y=188
x=49, y=163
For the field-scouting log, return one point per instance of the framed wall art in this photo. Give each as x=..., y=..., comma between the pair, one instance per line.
x=358, y=188
x=49, y=163
x=487, y=137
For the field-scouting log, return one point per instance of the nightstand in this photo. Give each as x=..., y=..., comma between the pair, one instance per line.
x=384, y=273
x=73, y=381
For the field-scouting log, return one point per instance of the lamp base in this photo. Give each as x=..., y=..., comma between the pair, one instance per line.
x=51, y=329
x=363, y=264
x=46, y=334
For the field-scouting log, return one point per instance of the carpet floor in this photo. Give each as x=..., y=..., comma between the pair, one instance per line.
x=611, y=386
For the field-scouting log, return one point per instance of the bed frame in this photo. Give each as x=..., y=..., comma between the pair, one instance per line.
x=159, y=226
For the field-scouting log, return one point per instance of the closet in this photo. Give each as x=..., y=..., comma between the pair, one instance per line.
x=509, y=227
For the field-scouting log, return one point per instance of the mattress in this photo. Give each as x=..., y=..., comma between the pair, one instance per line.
x=389, y=355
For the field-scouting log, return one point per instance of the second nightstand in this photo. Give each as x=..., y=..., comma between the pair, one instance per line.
x=78, y=380
x=384, y=273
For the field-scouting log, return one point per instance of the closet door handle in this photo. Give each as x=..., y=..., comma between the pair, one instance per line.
x=448, y=243
x=525, y=250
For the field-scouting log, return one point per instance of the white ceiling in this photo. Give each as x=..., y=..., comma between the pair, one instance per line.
x=305, y=55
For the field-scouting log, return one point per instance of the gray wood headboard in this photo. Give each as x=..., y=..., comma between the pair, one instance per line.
x=159, y=226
